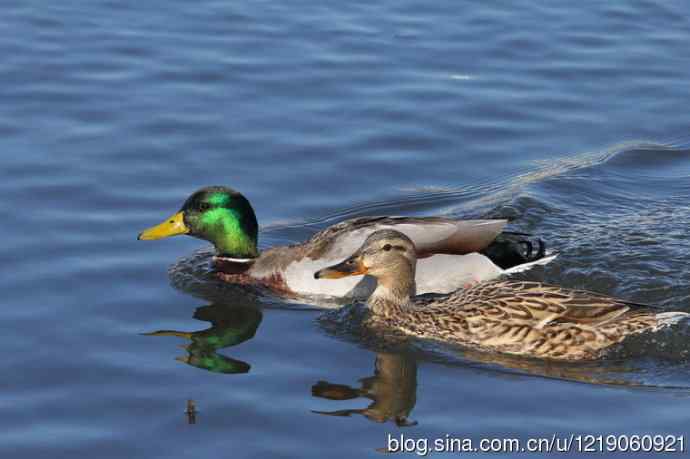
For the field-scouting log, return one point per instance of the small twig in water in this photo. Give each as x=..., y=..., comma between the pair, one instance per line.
x=191, y=411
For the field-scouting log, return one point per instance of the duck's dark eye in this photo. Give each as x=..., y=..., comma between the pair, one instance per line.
x=387, y=247
x=350, y=261
x=204, y=206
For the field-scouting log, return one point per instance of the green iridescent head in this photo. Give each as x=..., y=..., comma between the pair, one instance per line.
x=217, y=214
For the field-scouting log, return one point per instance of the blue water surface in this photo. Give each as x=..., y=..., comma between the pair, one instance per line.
x=571, y=117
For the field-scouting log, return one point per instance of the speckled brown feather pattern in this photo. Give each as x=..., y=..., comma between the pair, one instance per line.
x=523, y=318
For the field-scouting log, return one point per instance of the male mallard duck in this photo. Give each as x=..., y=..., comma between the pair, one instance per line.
x=524, y=318
x=452, y=253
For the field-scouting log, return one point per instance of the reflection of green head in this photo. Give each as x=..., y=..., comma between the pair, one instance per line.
x=232, y=325
x=215, y=363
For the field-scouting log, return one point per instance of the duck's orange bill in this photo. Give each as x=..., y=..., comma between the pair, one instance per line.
x=349, y=267
x=172, y=226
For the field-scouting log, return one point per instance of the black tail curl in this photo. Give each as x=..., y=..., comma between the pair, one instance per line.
x=510, y=249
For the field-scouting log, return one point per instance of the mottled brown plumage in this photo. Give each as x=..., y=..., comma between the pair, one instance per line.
x=522, y=318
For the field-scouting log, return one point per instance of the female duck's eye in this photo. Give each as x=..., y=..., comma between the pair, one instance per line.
x=387, y=247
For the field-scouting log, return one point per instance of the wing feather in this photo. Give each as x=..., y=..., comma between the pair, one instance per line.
x=542, y=303
x=431, y=235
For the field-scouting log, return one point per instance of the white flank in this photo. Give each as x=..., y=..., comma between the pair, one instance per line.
x=436, y=274
x=299, y=277
x=447, y=273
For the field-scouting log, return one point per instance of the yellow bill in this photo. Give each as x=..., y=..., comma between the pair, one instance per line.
x=172, y=226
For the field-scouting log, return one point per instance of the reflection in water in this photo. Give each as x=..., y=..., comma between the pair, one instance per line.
x=231, y=325
x=392, y=389
x=603, y=372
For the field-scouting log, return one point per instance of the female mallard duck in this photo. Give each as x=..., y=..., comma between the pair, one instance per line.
x=524, y=318
x=452, y=253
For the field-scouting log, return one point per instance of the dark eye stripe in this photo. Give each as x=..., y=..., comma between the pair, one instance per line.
x=389, y=247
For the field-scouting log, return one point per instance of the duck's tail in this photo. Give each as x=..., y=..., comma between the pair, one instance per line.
x=515, y=252
x=666, y=319
x=531, y=264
